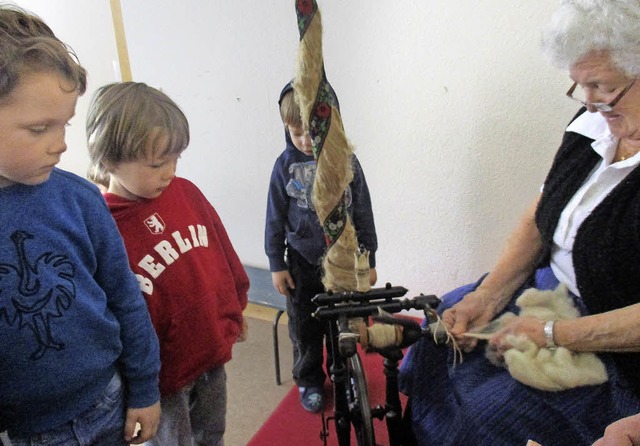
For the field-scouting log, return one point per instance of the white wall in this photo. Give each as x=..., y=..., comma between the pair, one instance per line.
x=454, y=112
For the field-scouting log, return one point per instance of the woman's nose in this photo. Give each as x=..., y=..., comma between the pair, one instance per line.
x=592, y=96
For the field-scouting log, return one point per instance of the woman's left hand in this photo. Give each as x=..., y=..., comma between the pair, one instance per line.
x=531, y=327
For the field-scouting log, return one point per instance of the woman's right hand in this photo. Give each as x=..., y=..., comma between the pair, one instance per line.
x=476, y=309
x=624, y=432
x=283, y=282
x=514, y=266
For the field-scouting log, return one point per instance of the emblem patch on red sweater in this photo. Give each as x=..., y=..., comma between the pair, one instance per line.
x=155, y=224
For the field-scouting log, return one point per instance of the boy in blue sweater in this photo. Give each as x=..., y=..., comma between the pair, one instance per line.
x=295, y=243
x=79, y=360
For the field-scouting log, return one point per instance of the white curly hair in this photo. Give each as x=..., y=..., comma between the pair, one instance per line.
x=579, y=27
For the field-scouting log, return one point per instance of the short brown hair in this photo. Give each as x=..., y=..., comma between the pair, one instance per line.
x=290, y=110
x=27, y=44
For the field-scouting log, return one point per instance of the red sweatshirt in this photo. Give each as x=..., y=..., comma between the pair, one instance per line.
x=190, y=275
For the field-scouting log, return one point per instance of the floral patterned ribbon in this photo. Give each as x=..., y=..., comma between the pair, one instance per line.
x=319, y=123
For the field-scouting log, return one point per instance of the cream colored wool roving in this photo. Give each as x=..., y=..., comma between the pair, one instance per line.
x=553, y=370
x=544, y=368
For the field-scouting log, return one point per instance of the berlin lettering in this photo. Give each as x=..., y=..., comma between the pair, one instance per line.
x=167, y=252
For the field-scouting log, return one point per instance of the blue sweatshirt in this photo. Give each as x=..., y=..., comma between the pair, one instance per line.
x=71, y=310
x=292, y=220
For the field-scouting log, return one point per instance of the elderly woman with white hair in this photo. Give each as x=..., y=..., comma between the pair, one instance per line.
x=583, y=231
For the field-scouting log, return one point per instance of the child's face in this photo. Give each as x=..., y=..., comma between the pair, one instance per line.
x=33, y=119
x=146, y=178
x=301, y=139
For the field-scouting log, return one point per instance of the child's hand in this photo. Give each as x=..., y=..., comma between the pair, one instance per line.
x=373, y=276
x=282, y=282
x=244, y=334
x=148, y=417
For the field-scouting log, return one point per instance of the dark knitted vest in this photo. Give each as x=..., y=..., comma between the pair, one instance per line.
x=606, y=251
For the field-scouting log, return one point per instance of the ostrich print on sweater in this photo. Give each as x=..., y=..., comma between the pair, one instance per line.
x=33, y=292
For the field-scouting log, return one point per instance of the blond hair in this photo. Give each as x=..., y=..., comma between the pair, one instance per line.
x=290, y=110
x=123, y=122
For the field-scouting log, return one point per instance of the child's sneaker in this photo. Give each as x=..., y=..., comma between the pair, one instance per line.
x=311, y=398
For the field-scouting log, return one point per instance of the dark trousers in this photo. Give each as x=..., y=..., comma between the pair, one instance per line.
x=306, y=332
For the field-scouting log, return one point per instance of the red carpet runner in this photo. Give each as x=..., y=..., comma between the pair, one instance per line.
x=291, y=425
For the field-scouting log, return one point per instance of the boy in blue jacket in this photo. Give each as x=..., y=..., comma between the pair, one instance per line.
x=79, y=360
x=295, y=243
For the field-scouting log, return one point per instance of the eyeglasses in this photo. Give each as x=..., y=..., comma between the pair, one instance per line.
x=600, y=106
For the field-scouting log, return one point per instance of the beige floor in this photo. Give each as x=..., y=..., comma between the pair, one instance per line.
x=263, y=313
x=252, y=390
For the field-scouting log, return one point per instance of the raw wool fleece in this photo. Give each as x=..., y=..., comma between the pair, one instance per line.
x=542, y=368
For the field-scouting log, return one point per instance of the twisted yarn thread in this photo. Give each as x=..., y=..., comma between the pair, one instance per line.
x=333, y=153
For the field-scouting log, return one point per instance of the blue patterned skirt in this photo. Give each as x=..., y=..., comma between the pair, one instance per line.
x=477, y=403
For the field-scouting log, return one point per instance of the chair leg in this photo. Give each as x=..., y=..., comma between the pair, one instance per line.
x=276, y=350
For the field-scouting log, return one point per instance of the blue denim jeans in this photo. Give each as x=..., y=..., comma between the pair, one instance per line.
x=102, y=424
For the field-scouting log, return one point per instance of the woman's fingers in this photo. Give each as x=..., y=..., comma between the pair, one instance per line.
x=456, y=322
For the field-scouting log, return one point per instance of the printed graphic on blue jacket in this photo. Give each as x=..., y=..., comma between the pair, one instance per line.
x=300, y=186
x=35, y=290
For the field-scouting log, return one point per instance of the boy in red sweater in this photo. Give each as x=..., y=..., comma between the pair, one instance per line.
x=189, y=273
